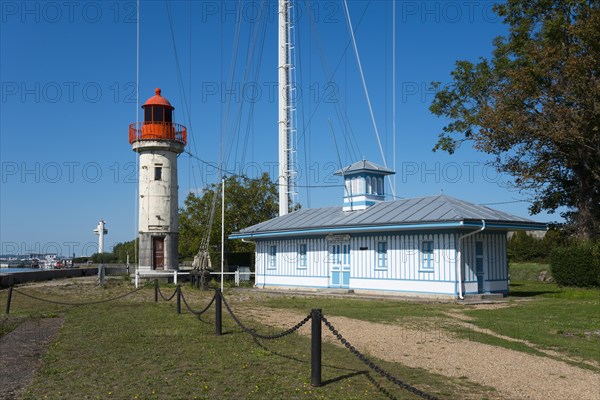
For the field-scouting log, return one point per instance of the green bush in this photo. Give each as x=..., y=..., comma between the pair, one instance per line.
x=525, y=248
x=576, y=265
x=104, y=258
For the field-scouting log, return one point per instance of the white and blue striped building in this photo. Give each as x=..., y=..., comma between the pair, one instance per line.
x=435, y=246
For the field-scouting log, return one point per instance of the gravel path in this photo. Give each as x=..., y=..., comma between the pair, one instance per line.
x=21, y=351
x=516, y=375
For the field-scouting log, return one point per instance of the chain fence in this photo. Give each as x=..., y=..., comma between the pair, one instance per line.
x=163, y=296
x=197, y=312
x=218, y=297
x=374, y=366
x=88, y=303
x=255, y=334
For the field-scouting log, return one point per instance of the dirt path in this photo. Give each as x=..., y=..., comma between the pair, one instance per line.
x=463, y=321
x=514, y=374
x=21, y=351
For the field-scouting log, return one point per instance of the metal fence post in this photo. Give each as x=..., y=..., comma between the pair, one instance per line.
x=315, y=353
x=8, y=300
x=156, y=290
x=218, y=313
x=178, y=299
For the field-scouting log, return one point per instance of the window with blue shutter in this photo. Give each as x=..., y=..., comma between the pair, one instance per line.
x=427, y=255
x=302, y=256
x=381, y=255
x=272, y=257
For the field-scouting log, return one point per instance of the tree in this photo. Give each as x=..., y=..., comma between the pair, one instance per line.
x=523, y=248
x=121, y=250
x=104, y=258
x=247, y=202
x=535, y=106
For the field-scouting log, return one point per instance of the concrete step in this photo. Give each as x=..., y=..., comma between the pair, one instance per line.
x=337, y=291
x=484, y=296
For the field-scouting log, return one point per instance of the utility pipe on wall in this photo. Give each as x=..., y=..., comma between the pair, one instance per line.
x=459, y=258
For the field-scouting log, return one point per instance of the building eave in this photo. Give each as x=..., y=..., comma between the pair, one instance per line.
x=508, y=226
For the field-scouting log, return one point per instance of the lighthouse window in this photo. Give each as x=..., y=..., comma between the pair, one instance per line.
x=148, y=114
x=168, y=115
x=157, y=173
x=158, y=114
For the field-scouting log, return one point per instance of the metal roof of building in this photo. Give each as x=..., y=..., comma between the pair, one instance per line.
x=364, y=166
x=424, y=212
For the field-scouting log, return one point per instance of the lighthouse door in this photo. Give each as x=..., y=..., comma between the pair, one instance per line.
x=158, y=252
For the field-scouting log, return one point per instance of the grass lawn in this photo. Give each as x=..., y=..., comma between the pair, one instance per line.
x=133, y=348
x=391, y=311
x=562, y=319
x=526, y=271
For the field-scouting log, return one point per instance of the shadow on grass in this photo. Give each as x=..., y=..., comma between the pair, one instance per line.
x=342, y=377
x=527, y=290
x=529, y=294
x=352, y=372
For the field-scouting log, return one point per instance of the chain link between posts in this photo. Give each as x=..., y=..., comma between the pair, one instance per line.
x=163, y=296
x=64, y=303
x=257, y=335
x=197, y=312
x=374, y=366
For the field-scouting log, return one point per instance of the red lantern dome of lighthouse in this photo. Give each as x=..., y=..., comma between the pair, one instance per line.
x=158, y=100
x=158, y=122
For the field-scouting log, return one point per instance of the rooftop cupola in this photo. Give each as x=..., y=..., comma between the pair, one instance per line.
x=364, y=184
x=158, y=122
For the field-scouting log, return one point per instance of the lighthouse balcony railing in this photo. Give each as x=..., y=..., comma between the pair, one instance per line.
x=157, y=131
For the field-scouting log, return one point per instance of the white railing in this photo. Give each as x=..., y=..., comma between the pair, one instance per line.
x=237, y=275
x=153, y=274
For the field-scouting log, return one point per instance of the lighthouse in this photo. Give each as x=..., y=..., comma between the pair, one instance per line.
x=101, y=231
x=159, y=141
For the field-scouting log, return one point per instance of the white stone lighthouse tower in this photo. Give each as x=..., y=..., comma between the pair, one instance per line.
x=158, y=141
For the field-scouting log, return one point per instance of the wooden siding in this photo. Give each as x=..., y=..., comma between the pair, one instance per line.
x=494, y=256
x=404, y=257
x=495, y=262
x=288, y=260
x=404, y=262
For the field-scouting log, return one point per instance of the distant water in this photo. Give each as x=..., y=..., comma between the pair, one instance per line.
x=13, y=270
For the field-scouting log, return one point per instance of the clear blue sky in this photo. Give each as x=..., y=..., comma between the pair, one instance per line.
x=68, y=73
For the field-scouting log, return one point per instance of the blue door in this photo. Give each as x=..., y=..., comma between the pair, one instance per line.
x=340, y=265
x=479, y=265
x=336, y=265
x=346, y=265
